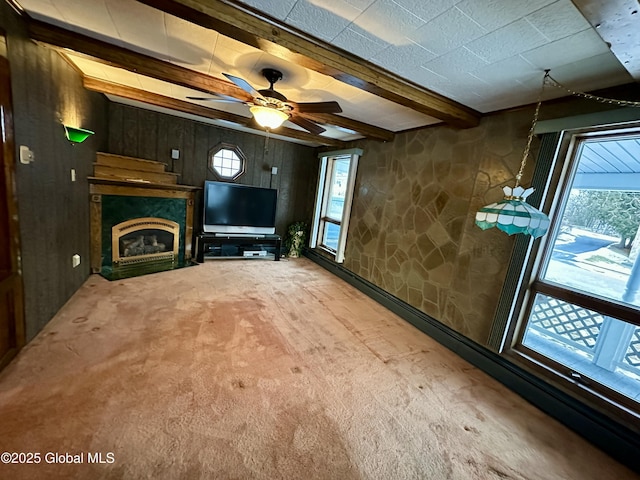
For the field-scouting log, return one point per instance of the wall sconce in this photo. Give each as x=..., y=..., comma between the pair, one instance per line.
x=77, y=135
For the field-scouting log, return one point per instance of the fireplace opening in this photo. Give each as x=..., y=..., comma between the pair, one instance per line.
x=145, y=240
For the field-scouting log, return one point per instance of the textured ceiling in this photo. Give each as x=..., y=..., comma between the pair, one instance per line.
x=485, y=54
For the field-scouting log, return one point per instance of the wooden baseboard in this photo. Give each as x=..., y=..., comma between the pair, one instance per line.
x=610, y=436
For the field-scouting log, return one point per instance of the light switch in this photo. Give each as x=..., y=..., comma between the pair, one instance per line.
x=73, y=174
x=75, y=260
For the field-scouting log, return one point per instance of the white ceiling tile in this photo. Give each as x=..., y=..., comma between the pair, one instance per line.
x=388, y=21
x=340, y=8
x=404, y=58
x=512, y=68
x=427, y=10
x=358, y=44
x=592, y=73
x=226, y=46
x=360, y=4
x=317, y=21
x=156, y=86
x=446, y=32
x=499, y=96
x=456, y=62
x=430, y=80
x=515, y=38
x=88, y=67
x=42, y=10
x=558, y=20
x=147, y=37
x=91, y=16
x=493, y=14
x=276, y=8
x=123, y=77
x=567, y=50
x=190, y=45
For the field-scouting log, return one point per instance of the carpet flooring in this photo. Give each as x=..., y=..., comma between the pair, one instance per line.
x=264, y=370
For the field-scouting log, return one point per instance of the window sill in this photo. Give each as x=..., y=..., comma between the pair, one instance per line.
x=325, y=253
x=558, y=377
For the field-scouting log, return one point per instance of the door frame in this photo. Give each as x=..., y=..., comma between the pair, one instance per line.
x=11, y=287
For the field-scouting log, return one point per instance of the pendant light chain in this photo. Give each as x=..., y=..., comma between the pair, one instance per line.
x=531, y=130
x=588, y=96
x=513, y=214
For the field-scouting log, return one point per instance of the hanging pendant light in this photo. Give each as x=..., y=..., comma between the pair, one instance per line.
x=513, y=214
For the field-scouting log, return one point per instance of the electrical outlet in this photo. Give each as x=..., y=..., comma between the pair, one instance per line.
x=26, y=155
x=274, y=170
x=175, y=154
x=75, y=260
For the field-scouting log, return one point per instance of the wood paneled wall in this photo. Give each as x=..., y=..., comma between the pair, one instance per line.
x=151, y=135
x=53, y=211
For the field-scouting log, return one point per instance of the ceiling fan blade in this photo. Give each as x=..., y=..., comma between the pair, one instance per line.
x=317, y=107
x=243, y=84
x=307, y=124
x=220, y=99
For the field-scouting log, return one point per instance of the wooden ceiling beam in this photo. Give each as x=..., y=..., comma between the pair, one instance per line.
x=120, y=57
x=131, y=93
x=131, y=61
x=249, y=26
x=368, y=131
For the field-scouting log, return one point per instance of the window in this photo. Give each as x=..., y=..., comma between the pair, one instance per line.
x=581, y=312
x=226, y=161
x=334, y=194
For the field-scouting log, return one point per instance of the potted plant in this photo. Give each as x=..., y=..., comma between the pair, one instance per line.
x=296, y=238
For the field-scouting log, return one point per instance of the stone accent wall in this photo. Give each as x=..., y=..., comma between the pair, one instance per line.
x=412, y=228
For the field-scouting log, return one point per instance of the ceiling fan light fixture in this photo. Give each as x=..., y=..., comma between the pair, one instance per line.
x=268, y=117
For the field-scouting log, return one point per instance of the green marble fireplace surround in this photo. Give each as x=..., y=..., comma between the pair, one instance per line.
x=114, y=201
x=117, y=209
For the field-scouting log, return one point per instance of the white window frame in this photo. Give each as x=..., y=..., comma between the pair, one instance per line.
x=322, y=200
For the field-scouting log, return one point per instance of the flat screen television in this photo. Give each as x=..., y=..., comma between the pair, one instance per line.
x=230, y=208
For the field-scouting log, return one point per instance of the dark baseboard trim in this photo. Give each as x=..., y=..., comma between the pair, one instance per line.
x=613, y=438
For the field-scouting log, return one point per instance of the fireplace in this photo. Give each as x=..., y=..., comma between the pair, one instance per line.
x=141, y=218
x=142, y=240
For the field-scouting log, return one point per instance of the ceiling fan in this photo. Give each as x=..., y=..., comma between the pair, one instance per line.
x=271, y=109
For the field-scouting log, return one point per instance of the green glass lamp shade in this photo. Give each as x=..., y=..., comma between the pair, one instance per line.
x=513, y=214
x=77, y=135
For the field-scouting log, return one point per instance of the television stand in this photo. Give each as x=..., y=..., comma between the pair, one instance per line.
x=217, y=245
x=240, y=235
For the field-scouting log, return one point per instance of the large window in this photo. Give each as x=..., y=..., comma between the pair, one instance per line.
x=581, y=312
x=333, y=201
